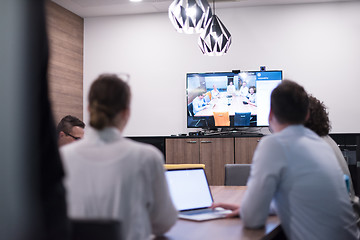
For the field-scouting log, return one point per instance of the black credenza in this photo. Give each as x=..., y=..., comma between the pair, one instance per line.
x=350, y=146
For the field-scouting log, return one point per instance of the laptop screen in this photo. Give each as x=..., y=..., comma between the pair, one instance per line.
x=189, y=188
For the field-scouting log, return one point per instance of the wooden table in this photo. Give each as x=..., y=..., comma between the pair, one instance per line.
x=222, y=228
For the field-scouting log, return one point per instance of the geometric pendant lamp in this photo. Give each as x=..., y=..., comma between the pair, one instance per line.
x=189, y=16
x=215, y=40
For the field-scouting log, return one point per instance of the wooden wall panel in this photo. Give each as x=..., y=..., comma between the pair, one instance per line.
x=66, y=34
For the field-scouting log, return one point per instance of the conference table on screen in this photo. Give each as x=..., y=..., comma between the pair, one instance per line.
x=227, y=228
x=228, y=104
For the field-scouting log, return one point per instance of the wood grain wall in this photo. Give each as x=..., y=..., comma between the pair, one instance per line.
x=66, y=34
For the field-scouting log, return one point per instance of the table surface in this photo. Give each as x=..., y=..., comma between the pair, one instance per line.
x=231, y=228
x=231, y=105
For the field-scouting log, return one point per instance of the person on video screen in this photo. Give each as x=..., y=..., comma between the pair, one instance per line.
x=252, y=95
x=231, y=88
x=244, y=90
x=199, y=103
x=215, y=92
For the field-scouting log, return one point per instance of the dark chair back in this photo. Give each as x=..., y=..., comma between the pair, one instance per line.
x=242, y=119
x=95, y=229
x=190, y=109
x=237, y=174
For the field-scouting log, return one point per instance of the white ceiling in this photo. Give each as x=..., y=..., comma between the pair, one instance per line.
x=95, y=8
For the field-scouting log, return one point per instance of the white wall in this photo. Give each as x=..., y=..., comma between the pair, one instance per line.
x=316, y=45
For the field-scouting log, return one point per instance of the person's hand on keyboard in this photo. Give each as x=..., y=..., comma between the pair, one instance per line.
x=233, y=207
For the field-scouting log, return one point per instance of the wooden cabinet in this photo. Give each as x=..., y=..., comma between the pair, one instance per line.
x=182, y=150
x=213, y=152
x=244, y=149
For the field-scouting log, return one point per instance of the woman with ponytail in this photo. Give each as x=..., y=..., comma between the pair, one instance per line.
x=112, y=177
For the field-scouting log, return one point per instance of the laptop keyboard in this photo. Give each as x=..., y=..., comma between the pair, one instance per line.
x=199, y=211
x=204, y=214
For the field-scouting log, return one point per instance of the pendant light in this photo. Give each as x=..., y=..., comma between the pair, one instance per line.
x=189, y=16
x=215, y=40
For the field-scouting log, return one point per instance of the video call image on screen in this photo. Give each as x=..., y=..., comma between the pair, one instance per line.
x=226, y=99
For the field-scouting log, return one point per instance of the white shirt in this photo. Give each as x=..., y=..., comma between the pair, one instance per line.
x=230, y=89
x=244, y=91
x=299, y=171
x=198, y=105
x=252, y=97
x=215, y=94
x=109, y=176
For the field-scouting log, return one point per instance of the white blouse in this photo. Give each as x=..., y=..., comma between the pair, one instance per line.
x=109, y=176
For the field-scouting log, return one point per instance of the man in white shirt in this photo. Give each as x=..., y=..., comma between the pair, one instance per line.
x=296, y=169
x=244, y=90
x=199, y=103
x=215, y=92
x=231, y=88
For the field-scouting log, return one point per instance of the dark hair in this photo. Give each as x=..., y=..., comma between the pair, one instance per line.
x=67, y=123
x=108, y=96
x=319, y=117
x=289, y=103
x=253, y=87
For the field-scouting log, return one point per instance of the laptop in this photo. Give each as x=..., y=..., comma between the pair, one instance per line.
x=191, y=195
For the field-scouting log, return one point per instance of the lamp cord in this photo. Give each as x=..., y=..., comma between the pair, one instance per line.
x=214, y=6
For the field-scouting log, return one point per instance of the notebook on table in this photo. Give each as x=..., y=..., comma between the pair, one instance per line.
x=190, y=192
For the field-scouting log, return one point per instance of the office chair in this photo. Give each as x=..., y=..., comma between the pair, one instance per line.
x=201, y=123
x=181, y=166
x=242, y=119
x=208, y=94
x=237, y=174
x=221, y=119
x=95, y=229
x=194, y=121
x=190, y=109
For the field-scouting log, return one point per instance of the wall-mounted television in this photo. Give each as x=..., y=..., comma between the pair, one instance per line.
x=229, y=99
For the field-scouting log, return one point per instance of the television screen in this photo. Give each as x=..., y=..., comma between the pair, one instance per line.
x=227, y=99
